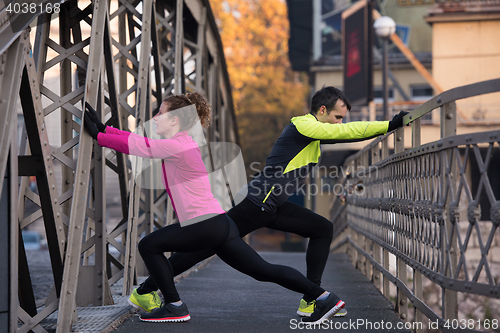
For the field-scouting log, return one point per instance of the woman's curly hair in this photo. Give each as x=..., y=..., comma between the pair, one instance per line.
x=200, y=102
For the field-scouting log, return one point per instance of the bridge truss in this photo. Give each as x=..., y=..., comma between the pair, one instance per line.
x=122, y=57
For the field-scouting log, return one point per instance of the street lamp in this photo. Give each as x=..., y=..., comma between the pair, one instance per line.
x=384, y=28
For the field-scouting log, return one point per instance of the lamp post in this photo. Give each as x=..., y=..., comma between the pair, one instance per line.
x=384, y=28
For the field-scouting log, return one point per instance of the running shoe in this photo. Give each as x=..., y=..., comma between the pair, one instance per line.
x=307, y=308
x=148, y=302
x=167, y=313
x=324, y=309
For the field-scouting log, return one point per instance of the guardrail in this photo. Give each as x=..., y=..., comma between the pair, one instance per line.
x=434, y=209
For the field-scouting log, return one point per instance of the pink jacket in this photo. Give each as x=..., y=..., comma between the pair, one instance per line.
x=183, y=173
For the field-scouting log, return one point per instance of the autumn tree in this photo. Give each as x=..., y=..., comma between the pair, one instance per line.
x=266, y=92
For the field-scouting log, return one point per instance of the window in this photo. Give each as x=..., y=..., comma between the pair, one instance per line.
x=421, y=93
x=378, y=94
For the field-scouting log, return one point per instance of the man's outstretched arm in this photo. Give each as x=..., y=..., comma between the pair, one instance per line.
x=349, y=132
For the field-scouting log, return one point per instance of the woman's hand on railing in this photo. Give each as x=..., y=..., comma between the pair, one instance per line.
x=92, y=114
x=90, y=126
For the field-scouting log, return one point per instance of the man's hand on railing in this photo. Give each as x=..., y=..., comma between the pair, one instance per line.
x=397, y=121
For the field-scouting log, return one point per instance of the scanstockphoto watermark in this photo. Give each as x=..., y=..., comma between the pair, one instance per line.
x=333, y=171
x=355, y=325
x=385, y=326
x=321, y=187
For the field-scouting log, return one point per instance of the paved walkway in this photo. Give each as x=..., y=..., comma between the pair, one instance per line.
x=221, y=299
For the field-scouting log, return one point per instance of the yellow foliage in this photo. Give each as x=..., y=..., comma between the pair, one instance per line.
x=266, y=92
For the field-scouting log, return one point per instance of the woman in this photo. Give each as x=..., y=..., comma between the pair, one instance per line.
x=202, y=222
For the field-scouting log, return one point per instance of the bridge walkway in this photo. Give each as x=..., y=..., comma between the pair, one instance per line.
x=220, y=299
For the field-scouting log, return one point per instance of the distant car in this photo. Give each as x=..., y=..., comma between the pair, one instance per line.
x=32, y=240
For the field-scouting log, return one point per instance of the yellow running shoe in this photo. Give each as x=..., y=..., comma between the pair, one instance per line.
x=306, y=309
x=147, y=302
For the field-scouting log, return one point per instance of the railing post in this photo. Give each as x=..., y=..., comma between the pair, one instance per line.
x=385, y=260
x=384, y=153
x=449, y=244
x=355, y=236
x=352, y=249
x=368, y=243
x=417, y=276
x=416, y=133
x=361, y=258
x=371, y=246
x=377, y=281
x=402, y=301
x=362, y=240
x=375, y=154
x=399, y=140
x=448, y=119
x=368, y=265
x=419, y=293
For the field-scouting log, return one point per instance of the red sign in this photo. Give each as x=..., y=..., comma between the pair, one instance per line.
x=357, y=52
x=353, y=56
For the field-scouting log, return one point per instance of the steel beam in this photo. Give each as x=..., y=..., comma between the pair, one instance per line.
x=67, y=304
x=11, y=64
x=141, y=107
x=13, y=234
x=67, y=215
x=9, y=240
x=46, y=182
x=179, y=87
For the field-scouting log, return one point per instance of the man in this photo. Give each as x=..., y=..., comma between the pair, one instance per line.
x=292, y=157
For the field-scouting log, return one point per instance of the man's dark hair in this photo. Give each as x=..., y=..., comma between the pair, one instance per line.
x=328, y=96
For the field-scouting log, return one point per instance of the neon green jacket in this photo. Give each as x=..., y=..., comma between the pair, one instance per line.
x=297, y=150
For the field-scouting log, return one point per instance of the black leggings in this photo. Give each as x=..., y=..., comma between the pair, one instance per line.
x=221, y=236
x=249, y=217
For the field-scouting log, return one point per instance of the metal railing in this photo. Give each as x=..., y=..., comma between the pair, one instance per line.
x=433, y=208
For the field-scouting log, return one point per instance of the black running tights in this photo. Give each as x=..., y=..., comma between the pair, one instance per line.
x=289, y=217
x=220, y=235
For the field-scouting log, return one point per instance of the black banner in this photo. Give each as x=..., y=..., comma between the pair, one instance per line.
x=357, y=33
